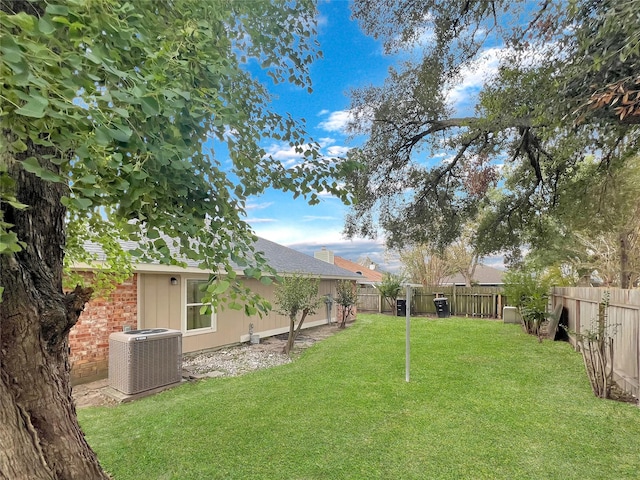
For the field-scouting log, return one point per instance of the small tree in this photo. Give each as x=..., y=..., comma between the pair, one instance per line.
x=347, y=297
x=527, y=289
x=596, y=346
x=296, y=294
x=390, y=288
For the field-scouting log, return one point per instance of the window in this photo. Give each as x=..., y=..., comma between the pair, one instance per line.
x=196, y=320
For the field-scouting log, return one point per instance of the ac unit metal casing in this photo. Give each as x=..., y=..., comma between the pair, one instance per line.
x=141, y=360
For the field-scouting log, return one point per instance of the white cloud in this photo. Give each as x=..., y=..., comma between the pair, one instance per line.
x=326, y=141
x=258, y=206
x=290, y=234
x=313, y=218
x=337, y=121
x=475, y=75
x=253, y=221
x=287, y=154
x=337, y=151
x=312, y=238
x=322, y=112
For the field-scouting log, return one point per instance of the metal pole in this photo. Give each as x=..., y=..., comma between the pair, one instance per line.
x=408, y=341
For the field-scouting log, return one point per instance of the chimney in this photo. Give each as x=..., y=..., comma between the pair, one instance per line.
x=324, y=255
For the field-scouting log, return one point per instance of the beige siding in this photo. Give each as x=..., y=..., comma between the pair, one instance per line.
x=159, y=302
x=162, y=305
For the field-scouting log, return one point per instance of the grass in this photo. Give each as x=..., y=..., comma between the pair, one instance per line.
x=485, y=401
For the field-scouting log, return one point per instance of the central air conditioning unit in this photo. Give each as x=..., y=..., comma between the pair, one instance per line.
x=141, y=360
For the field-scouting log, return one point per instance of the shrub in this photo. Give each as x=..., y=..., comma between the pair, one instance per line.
x=528, y=289
x=347, y=296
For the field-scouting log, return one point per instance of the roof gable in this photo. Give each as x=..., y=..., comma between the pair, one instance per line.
x=371, y=275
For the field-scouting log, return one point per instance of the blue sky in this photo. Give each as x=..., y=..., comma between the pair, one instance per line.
x=350, y=60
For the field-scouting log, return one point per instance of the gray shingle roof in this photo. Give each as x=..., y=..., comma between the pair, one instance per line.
x=483, y=275
x=287, y=260
x=281, y=258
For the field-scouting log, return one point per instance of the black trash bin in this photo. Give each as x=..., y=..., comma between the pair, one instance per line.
x=401, y=308
x=442, y=307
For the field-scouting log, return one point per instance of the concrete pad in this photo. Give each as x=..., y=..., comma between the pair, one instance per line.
x=120, y=397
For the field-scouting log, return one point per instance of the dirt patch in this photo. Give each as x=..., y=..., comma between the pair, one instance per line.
x=224, y=362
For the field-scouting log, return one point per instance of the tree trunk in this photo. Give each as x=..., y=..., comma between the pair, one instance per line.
x=291, y=338
x=39, y=432
x=625, y=274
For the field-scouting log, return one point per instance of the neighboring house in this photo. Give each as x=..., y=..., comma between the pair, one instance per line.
x=369, y=276
x=369, y=298
x=164, y=296
x=484, y=276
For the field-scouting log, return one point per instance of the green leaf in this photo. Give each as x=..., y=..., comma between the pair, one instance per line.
x=81, y=203
x=184, y=94
x=23, y=20
x=103, y=138
x=120, y=133
x=16, y=204
x=150, y=106
x=34, y=108
x=266, y=280
x=9, y=243
x=19, y=146
x=90, y=179
x=93, y=57
x=221, y=287
x=45, y=26
x=57, y=10
x=152, y=234
x=31, y=165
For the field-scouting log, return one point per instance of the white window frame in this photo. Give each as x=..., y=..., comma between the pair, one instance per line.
x=196, y=331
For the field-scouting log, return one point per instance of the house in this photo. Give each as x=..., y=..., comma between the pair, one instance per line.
x=369, y=275
x=369, y=298
x=165, y=296
x=483, y=276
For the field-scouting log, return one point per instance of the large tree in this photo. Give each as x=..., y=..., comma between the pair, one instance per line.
x=598, y=228
x=566, y=90
x=110, y=114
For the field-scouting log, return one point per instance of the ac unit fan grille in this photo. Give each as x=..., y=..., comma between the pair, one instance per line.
x=141, y=362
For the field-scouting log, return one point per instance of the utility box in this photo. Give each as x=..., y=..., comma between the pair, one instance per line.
x=401, y=308
x=141, y=360
x=511, y=315
x=442, y=307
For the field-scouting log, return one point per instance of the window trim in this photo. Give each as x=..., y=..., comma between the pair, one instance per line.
x=186, y=305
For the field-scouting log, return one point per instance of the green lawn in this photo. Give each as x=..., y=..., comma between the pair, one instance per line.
x=484, y=401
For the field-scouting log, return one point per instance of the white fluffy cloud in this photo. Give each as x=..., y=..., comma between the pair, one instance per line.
x=337, y=121
x=286, y=154
x=337, y=151
x=258, y=206
x=255, y=220
x=475, y=75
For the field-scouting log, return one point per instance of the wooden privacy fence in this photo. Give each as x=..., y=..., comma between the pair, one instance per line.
x=482, y=302
x=581, y=308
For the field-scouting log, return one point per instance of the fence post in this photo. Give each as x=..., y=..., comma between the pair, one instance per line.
x=453, y=302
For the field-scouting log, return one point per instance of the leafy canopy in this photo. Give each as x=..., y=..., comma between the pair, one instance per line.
x=390, y=287
x=124, y=103
x=566, y=90
x=297, y=294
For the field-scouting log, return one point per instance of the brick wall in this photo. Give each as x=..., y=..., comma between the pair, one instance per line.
x=89, y=338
